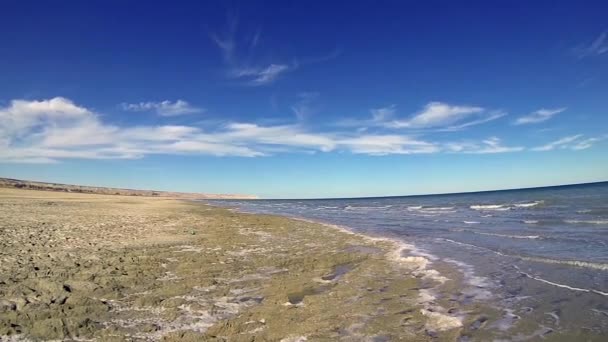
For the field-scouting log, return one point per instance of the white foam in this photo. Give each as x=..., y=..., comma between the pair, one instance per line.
x=440, y=322
x=532, y=237
x=576, y=263
x=479, y=285
x=587, y=221
x=425, y=296
x=528, y=205
x=470, y=222
x=489, y=207
x=531, y=221
x=294, y=339
x=438, y=208
x=355, y=208
x=568, y=287
x=553, y=315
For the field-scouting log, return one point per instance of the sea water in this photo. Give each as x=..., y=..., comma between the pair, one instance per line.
x=540, y=256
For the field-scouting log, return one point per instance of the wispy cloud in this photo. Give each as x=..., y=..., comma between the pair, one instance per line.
x=257, y=76
x=51, y=130
x=538, y=116
x=489, y=116
x=383, y=114
x=163, y=108
x=598, y=47
x=304, y=106
x=380, y=145
x=239, y=56
x=437, y=114
x=572, y=142
x=491, y=145
x=226, y=40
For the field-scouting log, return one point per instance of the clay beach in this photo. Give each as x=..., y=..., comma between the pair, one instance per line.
x=98, y=267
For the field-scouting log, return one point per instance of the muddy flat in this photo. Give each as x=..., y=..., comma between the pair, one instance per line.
x=95, y=267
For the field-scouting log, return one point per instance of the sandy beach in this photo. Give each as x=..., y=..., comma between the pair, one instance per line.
x=95, y=267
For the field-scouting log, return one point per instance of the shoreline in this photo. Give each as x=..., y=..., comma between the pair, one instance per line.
x=149, y=268
x=415, y=262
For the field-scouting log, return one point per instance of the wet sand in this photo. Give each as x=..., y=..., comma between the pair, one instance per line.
x=95, y=267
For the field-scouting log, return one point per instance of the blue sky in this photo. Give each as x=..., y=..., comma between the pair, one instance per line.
x=305, y=99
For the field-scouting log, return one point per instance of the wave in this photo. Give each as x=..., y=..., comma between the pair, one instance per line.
x=572, y=288
x=586, y=264
x=531, y=221
x=430, y=211
x=528, y=205
x=499, y=207
x=576, y=263
x=354, y=208
x=504, y=207
x=532, y=237
x=587, y=221
x=470, y=222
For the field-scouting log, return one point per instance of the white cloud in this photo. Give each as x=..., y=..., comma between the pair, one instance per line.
x=51, y=130
x=388, y=144
x=304, y=108
x=557, y=143
x=254, y=74
x=287, y=135
x=490, y=117
x=573, y=142
x=598, y=47
x=488, y=146
x=587, y=143
x=437, y=114
x=260, y=76
x=538, y=116
x=243, y=61
x=384, y=113
x=163, y=108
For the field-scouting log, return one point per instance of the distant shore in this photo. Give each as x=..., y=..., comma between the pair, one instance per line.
x=45, y=186
x=80, y=266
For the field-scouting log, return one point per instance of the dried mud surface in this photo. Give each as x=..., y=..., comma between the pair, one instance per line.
x=94, y=267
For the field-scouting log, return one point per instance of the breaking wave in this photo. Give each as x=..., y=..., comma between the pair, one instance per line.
x=498, y=207
x=587, y=221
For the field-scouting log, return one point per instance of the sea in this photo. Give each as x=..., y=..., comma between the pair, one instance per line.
x=538, y=256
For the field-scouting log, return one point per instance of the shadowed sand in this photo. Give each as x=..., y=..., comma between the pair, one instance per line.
x=77, y=266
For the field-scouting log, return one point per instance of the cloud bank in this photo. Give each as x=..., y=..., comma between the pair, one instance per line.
x=51, y=130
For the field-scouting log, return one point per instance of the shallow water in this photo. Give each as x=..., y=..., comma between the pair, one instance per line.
x=541, y=255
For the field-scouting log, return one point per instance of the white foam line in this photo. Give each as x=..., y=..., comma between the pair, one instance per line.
x=417, y=262
x=587, y=221
x=506, y=235
x=527, y=205
x=576, y=263
x=605, y=294
x=489, y=207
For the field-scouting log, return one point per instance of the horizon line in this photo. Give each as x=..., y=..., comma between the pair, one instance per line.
x=430, y=194
x=322, y=198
